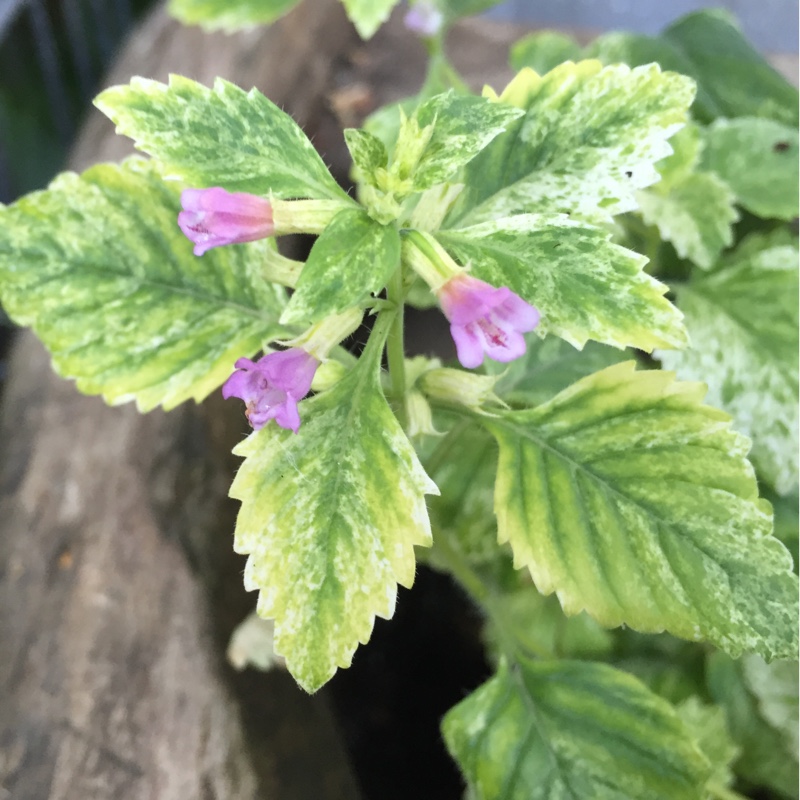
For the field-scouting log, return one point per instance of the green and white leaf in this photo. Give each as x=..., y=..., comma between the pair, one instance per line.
x=368, y=153
x=222, y=136
x=229, y=15
x=446, y=132
x=368, y=15
x=708, y=729
x=589, y=140
x=441, y=77
x=758, y=158
x=775, y=688
x=353, y=257
x=768, y=754
x=329, y=519
x=543, y=730
x=543, y=51
x=633, y=501
x=695, y=214
x=743, y=318
x=98, y=267
x=585, y=286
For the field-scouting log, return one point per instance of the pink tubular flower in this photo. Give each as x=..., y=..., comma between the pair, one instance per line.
x=271, y=386
x=424, y=19
x=486, y=320
x=212, y=217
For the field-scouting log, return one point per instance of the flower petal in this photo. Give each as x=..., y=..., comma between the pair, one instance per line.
x=469, y=345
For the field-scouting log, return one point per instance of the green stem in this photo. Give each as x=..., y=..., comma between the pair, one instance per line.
x=395, y=346
x=484, y=594
x=444, y=447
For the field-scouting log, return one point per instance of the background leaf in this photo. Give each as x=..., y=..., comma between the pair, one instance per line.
x=585, y=286
x=329, y=519
x=543, y=51
x=229, y=15
x=743, y=321
x=695, y=214
x=352, y=258
x=768, y=756
x=708, y=729
x=551, y=730
x=589, y=139
x=633, y=501
x=738, y=78
x=758, y=158
x=219, y=137
x=733, y=79
x=548, y=366
x=368, y=15
x=98, y=267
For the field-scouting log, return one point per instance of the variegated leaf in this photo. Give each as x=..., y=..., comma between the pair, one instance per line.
x=329, y=519
x=98, y=267
x=589, y=139
x=630, y=499
x=585, y=286
x=743, y=322
x=768, y=753
x=695, y=214
x=552, y=730
x=354, y=256
x=222, y=136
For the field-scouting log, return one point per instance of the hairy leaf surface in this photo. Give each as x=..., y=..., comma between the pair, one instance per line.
x=571, y=730
x=588, y=140
x=585, y=286
x=98, y=267
x=743, y=321
x=221, y=136
x=329, y=519
x=352, y=258
x=631, y=500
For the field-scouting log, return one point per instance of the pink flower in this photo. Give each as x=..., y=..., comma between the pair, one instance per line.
x=271, y=386
x=212, y=217
x=486, y=320
x=424, y=19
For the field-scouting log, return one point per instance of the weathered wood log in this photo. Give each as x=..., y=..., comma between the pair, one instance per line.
x=118, y=585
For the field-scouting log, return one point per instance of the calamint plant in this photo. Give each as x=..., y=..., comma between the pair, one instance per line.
x=609, y=209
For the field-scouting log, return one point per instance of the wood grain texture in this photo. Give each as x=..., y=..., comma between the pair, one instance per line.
x=118, y=585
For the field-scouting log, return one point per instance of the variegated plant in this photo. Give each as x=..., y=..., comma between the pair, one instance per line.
x=569, y=469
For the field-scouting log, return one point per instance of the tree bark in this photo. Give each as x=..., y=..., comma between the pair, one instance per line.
x=118, y=585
